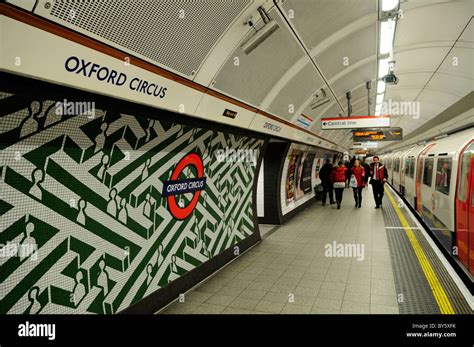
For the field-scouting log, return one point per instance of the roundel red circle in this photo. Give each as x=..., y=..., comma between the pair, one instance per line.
x=183, y=212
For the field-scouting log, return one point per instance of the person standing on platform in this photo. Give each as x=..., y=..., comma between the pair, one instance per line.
x=338, y=178
x=357, y=182
x=378, y=177
x=325, y=176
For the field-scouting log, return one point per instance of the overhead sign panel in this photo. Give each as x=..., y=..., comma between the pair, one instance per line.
x=361, y=152
x=389, y=134
x=355, y=122
x=365, y=145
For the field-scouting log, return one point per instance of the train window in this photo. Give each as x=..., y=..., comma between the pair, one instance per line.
x=428, y=171
x=412, y=168
x=443, y=175
x=464, y=176
x=409, y=167
x=397, y=165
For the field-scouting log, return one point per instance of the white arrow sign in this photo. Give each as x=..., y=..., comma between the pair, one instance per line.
x=355, y=122
x=368, y=144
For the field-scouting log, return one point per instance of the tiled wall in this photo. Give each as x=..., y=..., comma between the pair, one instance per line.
x=86, y=192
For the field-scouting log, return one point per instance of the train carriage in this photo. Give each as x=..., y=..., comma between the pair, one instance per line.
x=437, y=179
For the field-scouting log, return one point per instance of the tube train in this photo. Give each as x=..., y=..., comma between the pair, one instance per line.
x=437, y=180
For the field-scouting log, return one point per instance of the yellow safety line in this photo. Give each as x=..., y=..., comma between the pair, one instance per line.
x=438, y=291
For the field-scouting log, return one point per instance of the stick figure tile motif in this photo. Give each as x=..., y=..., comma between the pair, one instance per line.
x=81, y=216
x=35, y=305
x=31, y=123
x=103, y=278
x=123, y=213
x=112, y=205
x=36, y=189
x=101, y=137
x=79, y=290
x=103, y=168
x=28, y=245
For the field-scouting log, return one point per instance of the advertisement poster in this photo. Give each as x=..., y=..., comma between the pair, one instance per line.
x=298, y=181
x=318, y=165
x=305, y=179
x=293, y=159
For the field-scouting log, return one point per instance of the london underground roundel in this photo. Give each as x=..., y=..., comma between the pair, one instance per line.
x=176, y=186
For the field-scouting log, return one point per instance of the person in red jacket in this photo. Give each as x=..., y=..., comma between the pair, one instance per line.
x=358, y=172
x=338, y=179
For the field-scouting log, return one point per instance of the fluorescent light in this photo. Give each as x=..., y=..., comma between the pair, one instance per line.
x=380, y=87
x=383, y=67
x=379, y=99
x=387, y=30
x=388, y=5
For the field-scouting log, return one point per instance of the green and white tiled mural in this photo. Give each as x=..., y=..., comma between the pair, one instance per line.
x=84, y=225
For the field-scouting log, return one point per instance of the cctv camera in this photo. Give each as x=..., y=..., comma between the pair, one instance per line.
x=390, y=79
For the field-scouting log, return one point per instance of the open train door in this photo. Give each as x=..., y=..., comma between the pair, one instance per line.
x=465, y=207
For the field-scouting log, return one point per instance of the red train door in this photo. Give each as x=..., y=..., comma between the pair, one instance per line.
x=419, y=173
x=465, y=207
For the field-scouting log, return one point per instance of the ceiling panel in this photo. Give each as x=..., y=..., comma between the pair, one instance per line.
x=301, y=87
x=436, y=97
x=459, y=61
x=432, y=23
x=425, y=59
x=316, y=20
x=354, y=78
x=396, y=94
x=177, y=35
x=315, y=111
x=343, y=54
x=261, y=69
x=332, y=111
x=459, y=86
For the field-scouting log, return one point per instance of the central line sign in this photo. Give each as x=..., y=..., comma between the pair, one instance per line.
x=355, y=122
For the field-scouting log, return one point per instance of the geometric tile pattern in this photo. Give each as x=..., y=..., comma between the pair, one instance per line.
x=81, y=200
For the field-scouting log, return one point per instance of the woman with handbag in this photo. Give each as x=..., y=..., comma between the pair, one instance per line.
x=357, y=182
x=338, y=179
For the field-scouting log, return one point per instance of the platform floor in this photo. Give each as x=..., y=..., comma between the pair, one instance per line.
x=291, y=272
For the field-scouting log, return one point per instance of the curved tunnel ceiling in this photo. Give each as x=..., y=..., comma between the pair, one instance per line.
x=430, y=36
x=278, y=76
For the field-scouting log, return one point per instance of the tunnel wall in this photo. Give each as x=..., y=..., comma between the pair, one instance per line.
x=96, y=254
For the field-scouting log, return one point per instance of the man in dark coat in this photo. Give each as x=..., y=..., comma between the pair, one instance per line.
x=378, y=177
x=325, y=176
